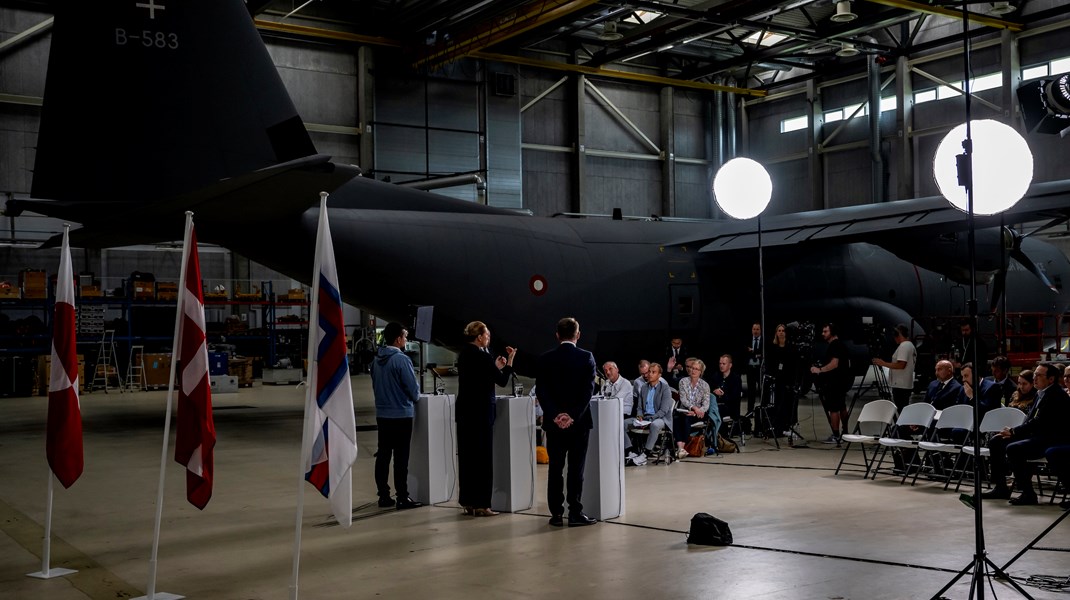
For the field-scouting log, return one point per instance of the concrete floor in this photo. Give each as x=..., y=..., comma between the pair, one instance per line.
x=800, y=532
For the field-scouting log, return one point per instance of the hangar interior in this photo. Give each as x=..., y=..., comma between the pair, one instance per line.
x=547, y=107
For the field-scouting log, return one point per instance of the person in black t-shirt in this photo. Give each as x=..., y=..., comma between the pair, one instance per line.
x=835, y=381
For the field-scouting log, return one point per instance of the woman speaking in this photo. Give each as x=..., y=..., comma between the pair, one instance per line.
x=478, y=371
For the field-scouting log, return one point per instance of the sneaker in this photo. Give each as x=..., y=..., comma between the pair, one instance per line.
x=711, y=451
x=681, y=454
x=639, y=460
x=832, y=439
x=631, y=455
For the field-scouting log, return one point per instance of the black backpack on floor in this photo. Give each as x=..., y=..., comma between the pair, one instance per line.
x=708, y=530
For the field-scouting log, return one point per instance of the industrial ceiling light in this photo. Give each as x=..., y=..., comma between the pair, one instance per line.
x=847, y=50
x=609, y=32
x=1002, y=167
x=1001, y=8
x=843, y=12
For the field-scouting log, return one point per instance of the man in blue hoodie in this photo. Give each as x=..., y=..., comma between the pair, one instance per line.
x=396, y=391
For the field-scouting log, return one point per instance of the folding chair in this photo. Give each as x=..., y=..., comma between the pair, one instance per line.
x=993, y=422
x=874, y=422
x=958, y=417
x=920, y=415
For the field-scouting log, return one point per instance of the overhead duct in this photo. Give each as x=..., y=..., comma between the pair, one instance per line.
x=609, y=32
x=843, y=12
x=847, y=50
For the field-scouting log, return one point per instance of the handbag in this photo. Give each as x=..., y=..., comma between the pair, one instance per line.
x=696, y=446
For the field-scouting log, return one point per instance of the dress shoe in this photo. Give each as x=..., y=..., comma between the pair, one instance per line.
x=386, y=502
x=557, y=521
x=407, y=503
x=467, y=511
x=484, y=512
x=580, y=519
x=997, y=493
x=1065, y=505
x=1024, y=500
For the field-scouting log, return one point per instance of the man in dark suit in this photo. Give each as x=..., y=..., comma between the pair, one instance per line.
x=675, y=356
x=1045, y=427
x=945, y=390
x=564, y=384
x=991, y=395
x=1001, y=377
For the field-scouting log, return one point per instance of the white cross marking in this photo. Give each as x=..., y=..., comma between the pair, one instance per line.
x=152, y=6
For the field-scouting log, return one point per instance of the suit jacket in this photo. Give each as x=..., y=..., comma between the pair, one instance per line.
x=991, y=396
x=943, y=398
x=678, y=369
x=1006, y=389
x=564, y=383
x=663, y=404
x=1050, y=421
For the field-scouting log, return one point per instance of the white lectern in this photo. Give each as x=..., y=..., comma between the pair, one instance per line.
x=514, y=454
x=603, y=476
x=432, y=470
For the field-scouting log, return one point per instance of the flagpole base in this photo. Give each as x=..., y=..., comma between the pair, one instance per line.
x=49, y=574
x=160, y=596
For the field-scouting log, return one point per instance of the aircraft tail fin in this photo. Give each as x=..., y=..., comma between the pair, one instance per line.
x=187, y=96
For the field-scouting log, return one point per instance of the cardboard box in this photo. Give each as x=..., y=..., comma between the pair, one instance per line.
x=295, y=294
x=91, y=291
x=157, y=370
x=242, y=368
x=44, y=373
x=10, y=292
x=144, y=290
x=167, y=290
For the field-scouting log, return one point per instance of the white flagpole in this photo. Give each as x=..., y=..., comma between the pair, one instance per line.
x=150, y=591
x=46, y=572
x=310, y=396
x=46, y=551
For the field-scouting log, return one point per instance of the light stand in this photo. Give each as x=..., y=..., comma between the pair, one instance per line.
x=742, y=188
x=995, y=201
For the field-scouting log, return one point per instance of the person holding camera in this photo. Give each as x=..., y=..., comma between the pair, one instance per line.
x=901, y=367
x=835, y=379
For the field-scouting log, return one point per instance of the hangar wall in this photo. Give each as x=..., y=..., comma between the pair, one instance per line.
x=569, y=143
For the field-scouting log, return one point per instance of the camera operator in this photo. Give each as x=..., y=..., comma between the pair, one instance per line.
x=835, y=379
x=901, y=367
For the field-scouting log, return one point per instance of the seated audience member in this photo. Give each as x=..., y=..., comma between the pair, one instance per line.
x=695, y=397
x=727, y=388
x=1001, y=376
x=1025, y=394
x=944, y=391
x=1058, y=458
x=675, y=356
x=653, y=405
x=1066, y=379
x=637, y=384
x=1044, y=428
x=616, y=386
x=991, y=395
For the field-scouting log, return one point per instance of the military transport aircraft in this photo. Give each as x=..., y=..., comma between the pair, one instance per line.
x=155, y=108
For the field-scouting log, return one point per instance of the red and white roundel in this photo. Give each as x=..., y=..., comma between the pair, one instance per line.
x=537, y=285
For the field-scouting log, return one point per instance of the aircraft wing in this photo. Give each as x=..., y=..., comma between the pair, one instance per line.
x=887, y=222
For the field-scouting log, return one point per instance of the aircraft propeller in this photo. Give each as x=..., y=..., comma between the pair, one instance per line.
x=1012, y=246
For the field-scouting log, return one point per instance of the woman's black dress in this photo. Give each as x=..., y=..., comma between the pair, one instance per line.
x=475, y=423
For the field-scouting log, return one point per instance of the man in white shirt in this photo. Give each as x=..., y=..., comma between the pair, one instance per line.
x=616, y=386
x=901, y=367
x=638, y=383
